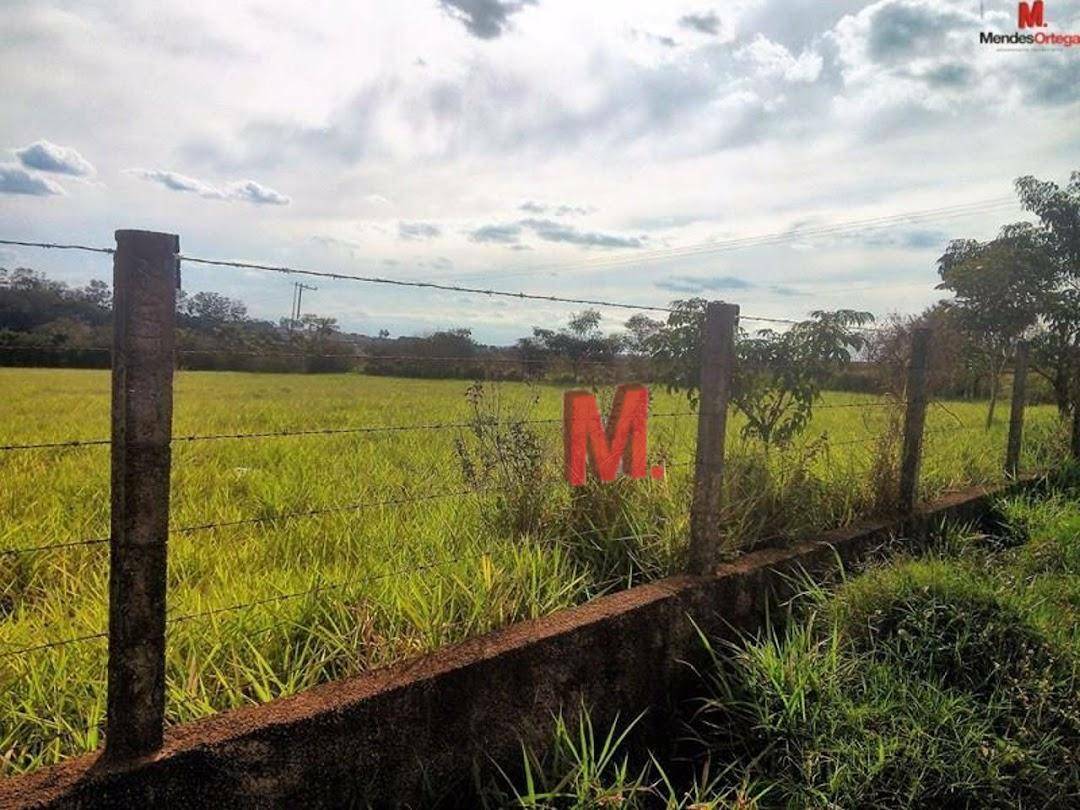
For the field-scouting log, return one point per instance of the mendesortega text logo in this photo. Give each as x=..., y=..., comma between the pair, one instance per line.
x=1031, y=15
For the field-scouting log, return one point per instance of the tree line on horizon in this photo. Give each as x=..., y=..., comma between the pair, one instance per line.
x=1022, y=284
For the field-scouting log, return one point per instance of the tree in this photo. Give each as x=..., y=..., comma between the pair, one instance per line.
x=97, y=293
x=446, y=353
x=580, y=341
x=639, y=329
x=211, y=309
x=30, y=300
x=955, y=365
x=778, y=375
x=675, y=348
x=1000, y=289
x=457, y=344
x=1057, y=346
x=316, y=326
x=43, y=315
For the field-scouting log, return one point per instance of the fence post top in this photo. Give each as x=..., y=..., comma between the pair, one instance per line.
x=134, y=236
x=722, y=308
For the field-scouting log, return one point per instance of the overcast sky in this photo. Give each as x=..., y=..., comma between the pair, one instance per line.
x=555, y=146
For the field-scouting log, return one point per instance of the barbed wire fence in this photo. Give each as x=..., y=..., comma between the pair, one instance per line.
x=144, y=355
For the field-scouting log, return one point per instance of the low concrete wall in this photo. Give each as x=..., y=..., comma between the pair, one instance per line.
x=387, y=737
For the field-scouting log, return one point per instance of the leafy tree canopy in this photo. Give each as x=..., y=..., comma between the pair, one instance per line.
x=778, y=375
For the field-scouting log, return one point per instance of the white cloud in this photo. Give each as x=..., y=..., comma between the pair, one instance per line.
x=771, y=59
x=418, y=231
x=241, y=190
x=48, y=157
x=15, y=179
x=174, y=181
x=252, y=192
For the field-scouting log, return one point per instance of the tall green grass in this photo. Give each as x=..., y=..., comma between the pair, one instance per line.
x=950, y=680
x=386, y=582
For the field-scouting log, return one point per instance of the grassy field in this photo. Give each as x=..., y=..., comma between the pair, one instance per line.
x=951, y=679
x=444, y=557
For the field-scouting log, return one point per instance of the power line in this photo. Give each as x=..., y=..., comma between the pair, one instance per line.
x=946, y=212
x=870, y=223
x=366, y=279
x=490, y=292
x=677, y=252
x=475, y=359
x=702, y=248
x=778, y=237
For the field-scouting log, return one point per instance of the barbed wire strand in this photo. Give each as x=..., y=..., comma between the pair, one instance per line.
x=182, y=530
x=239, y=606
x=490, y=292
x=374, y=429
x=264, y=601
x=365, y=429
x=476, y=359
x=328, y=510
x=96, y=541
x=866, y=223
x=430, y=285
x=369, y=358
x=332, y=586
x=54, y=445
x=56, y=246
x=285, y=269
x=362, y=506
x=48, y=645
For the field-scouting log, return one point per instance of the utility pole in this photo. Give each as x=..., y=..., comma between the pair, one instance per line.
x=297, y=302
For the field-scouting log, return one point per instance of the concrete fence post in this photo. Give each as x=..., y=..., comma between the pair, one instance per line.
x=914, y=420
x=1016, y=415
x=145, y=278
x=717, y=367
